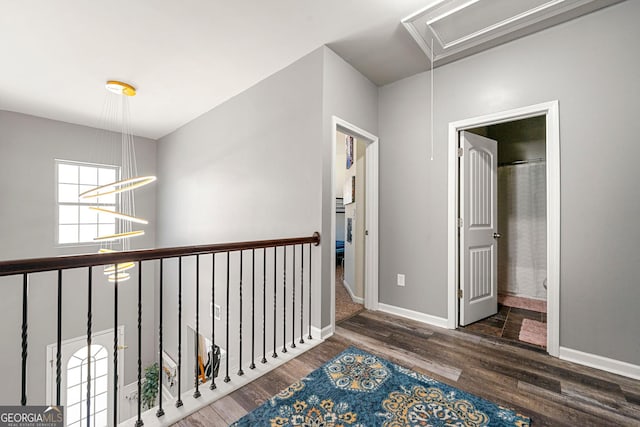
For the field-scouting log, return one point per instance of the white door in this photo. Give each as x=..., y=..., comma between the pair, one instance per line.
x=478, y=234
x=74, y=378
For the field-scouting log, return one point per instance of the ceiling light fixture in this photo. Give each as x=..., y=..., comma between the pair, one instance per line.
x=118, y=187
x=119, y=277
x=119, y=215
x=119, y=236
x=117, y=110
x=120, y=88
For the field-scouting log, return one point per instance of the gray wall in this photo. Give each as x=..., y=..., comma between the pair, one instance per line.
x=350, y=96
x=258, y=167
x=590, y=65
x=28, y=147
x=249, y=169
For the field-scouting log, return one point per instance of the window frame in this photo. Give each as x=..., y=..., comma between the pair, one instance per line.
x=82, y=366
x=78, y=204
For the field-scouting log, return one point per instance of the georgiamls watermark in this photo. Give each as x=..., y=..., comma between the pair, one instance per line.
x=31, y=416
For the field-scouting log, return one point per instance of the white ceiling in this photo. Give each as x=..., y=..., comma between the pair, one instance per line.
x=185, y=57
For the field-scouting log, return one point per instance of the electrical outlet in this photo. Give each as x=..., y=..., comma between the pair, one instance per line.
x=400, y=279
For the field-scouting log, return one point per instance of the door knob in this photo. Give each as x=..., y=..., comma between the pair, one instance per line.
x=497, y=235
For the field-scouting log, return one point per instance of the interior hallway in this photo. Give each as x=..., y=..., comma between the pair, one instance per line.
x=345, y=307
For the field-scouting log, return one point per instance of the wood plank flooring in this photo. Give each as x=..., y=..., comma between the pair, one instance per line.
x=551, y=391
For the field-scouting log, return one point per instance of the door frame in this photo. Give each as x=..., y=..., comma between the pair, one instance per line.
x=371, y=214
x=551, y=112
x=50, y=383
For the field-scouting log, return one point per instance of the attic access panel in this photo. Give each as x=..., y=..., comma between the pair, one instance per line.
x=459, y=28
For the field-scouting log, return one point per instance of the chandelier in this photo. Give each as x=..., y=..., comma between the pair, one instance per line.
x=124, y=187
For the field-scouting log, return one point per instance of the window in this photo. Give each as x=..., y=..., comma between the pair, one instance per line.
x=76, y=222
x=76, y=406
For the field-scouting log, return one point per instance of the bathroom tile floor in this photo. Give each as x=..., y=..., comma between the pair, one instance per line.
x=506, y=324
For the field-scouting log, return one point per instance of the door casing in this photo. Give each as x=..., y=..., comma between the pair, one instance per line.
x=371, y=214
x=551, y=112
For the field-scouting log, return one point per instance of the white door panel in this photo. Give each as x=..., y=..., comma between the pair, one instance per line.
x=478, y=205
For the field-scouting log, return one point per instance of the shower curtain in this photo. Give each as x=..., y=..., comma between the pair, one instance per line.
x=522, y=221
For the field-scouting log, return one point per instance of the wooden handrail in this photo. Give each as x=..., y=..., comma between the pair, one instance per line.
x=36, y=265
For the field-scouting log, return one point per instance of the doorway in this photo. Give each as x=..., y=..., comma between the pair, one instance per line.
x=350, y=189
x=475, y=233
x=354, y=220
x=76, y=360
x=503, y=240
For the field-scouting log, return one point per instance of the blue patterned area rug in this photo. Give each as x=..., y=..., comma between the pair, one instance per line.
x=359, y=389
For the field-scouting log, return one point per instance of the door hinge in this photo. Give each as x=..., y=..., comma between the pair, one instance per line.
x=460, y=151
x=460, y=222
x=460, y=293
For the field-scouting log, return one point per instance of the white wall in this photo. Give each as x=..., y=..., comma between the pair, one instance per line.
x=28, y=147
x=590, y=65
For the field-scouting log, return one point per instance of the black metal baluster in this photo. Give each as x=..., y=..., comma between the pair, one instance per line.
x=253, y=308
x=264, y=305
x=302, y=294
x=139, y=422
x=310, y=292
x=196, y=393
x=179, y=401
x=160, y=411
x=25, y=284
x=115, y=348
x=284, y=301
x=293, y=305
x=227, y=378
x=59, y=343
x=89, y=325
x=240, y=371
x=213, y=321
x=275, y=284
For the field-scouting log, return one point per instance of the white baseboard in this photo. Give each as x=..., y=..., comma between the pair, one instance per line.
x=413, y=315
x=357, y=300
x=600, y=362
x=323, y=333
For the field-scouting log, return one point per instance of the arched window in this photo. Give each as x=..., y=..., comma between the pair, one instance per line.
x=76, y=407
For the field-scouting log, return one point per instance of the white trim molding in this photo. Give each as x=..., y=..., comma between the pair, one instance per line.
x=323, y=333
x=600, y=362
x=551, y=111
x=354, y=298
x=440, y=322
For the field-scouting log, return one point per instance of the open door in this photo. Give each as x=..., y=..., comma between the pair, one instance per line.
x=478, y=232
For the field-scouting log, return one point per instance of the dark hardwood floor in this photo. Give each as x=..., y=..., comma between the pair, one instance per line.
x=552, y=392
